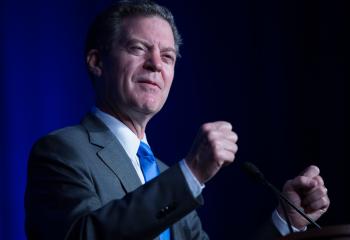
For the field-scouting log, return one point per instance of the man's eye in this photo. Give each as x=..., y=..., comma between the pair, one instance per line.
x=136, y=49
x=168, y=58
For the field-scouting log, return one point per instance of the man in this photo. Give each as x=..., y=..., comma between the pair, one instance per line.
x=100, y=180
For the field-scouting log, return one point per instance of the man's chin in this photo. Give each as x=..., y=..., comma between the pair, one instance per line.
x=147, y=109
x=150, y=107
x=150, y=111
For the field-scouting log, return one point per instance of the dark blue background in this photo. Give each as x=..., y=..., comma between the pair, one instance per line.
x=277, y=70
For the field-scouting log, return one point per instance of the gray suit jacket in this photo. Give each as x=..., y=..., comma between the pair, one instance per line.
x=82, y=185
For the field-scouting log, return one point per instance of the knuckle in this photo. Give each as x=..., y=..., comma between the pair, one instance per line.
x=223, y=155
x=323, y=191
x=232, y=136
x=327, y=200
x=319, y=180
x=205, y=128
x=235, y=148
x=229, y=125
x=235, y=136
x=315, y=168
x=324, y=201
x=223, y=126
x=231, y=157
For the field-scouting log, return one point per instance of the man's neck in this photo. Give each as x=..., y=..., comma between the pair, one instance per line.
x=136, y=125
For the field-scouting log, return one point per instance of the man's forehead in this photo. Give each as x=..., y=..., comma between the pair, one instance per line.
x=152, y=29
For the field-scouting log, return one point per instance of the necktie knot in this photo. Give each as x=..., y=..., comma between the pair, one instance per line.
x=144, y=150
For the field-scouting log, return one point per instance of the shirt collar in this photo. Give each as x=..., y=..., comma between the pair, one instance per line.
x=125, y=136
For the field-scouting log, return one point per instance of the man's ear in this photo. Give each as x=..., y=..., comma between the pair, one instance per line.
x=94, y=62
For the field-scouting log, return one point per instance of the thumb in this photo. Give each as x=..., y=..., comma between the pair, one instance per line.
x=311, y=171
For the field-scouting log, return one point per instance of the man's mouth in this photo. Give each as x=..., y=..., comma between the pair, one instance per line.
x=150, y=82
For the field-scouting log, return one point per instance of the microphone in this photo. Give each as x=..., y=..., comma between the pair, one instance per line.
x=258, y=176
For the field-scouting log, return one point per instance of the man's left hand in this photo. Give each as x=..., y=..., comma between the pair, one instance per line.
x=306, y=191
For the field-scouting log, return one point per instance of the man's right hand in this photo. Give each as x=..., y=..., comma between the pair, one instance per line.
x=215, y=146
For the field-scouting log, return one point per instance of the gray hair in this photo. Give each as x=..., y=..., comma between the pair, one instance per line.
x=107, y=25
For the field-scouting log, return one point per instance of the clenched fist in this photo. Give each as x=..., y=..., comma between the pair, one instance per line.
x=306, y=191
x=215, y=146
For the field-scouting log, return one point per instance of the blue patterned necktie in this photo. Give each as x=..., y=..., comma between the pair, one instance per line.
x=150, y=170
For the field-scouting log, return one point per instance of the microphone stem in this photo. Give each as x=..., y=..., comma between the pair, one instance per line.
x=282, y=197
x=284, y=208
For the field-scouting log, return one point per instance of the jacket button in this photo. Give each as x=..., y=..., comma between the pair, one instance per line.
x=166, y=210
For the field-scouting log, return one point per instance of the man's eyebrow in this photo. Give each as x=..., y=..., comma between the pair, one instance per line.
x=133, y=40
x=168, y=49
x=147, y=44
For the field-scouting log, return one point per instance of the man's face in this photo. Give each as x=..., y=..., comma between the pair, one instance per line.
x=139, y=70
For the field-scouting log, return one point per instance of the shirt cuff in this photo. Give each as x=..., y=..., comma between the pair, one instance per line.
x=282, y=225
x=195, y=186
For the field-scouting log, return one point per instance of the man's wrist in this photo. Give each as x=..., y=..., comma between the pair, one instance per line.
x=194, y=185
x=282, y=225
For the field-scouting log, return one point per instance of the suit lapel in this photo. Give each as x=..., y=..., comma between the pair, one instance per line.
x=112, y=153
x=114, y=156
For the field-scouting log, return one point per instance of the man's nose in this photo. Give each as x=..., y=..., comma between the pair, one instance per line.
x=153, y=62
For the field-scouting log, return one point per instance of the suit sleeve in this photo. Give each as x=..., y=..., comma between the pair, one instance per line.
x=195, y=225
x=62, y=203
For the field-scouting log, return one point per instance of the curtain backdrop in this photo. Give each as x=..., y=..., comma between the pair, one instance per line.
x=277, y=70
